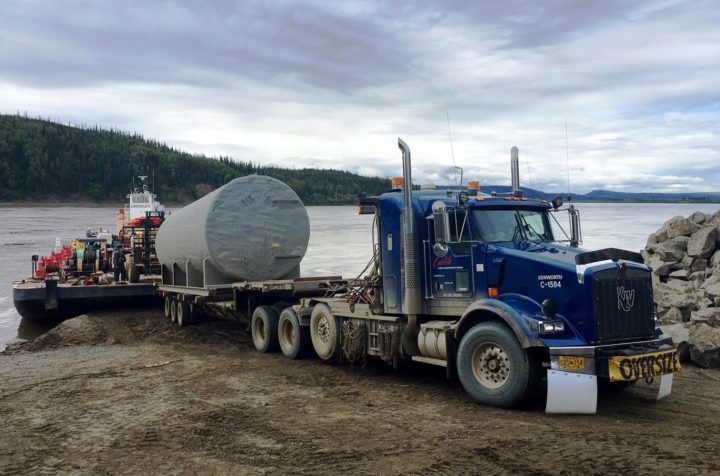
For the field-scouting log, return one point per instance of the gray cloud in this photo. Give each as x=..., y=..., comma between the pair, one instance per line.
x=313, y=83
x=195, y=42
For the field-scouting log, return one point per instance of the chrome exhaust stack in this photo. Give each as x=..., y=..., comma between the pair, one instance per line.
x=410, y=261
x=515, y=172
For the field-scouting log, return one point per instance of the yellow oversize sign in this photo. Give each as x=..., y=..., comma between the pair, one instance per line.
x=637, y=367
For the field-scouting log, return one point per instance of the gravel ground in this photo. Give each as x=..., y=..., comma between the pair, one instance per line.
x=128, y=393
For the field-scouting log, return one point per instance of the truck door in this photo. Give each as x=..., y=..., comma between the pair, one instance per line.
x=450, y=254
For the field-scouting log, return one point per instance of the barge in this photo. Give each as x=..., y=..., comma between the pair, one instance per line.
x=81, y=276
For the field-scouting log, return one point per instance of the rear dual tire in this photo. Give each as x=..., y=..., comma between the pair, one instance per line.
x=183, y=314
x=294, y=339
x=173, y=309
x=264, y=329
x=168, y=307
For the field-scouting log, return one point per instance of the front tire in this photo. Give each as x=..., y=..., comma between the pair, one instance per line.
x=263, y=327
x=325, y=332
x=494, y=368
x=293, y=338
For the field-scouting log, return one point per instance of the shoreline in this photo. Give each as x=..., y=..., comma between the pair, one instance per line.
x=48, y=203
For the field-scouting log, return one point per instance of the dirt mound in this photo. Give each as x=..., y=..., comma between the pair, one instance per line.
x=82, y=330
x=132, y=326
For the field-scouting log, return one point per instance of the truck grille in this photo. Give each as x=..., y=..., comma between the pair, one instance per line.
x=623, y=305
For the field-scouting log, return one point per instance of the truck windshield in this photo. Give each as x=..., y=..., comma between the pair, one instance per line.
x=511, y=225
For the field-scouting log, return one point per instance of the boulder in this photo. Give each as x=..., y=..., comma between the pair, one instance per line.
x=675, y=293
x=646, y=253
x=712, y=291
x=679, y=243
x=698, y=264
x=659, y=267
x=707, y=315
x=686, y=262
x=715, y=260
x=676, y=226
x=680, y=274
x=680, y=335
x=702, y=242
x=669, y=253
x=712, y=279
x=652, y=240
x=669, y=315
x=704, y=344
x=698, y=218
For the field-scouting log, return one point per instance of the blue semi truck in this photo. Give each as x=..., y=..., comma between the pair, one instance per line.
x=479, y=285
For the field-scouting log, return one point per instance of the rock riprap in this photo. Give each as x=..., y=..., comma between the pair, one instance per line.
x=684, y=256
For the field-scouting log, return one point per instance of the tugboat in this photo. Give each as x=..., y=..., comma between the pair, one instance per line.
x=78, y=277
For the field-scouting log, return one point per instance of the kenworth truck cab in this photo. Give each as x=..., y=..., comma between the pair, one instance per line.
x=481, y=285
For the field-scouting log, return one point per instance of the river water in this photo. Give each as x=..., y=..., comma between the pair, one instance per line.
x=340, y=241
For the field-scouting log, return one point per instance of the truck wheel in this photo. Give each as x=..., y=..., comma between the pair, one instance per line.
x=493, y=368
x=183, y=313
x=263, y=326
x=325, y=332
x=168, y=306
x=293, y=338
x=173, y=309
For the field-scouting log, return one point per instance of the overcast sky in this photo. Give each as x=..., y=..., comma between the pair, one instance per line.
x=333, y=84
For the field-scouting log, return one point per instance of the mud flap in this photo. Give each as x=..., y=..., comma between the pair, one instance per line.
x=666, y=382
x=571, y=392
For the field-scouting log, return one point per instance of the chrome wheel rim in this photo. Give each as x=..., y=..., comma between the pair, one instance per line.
x=323, y=330
x=491, y=365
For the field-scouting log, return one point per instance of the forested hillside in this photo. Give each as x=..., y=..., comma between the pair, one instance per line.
x=41, y=160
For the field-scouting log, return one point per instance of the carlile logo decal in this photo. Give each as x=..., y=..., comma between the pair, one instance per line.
x=626, y=298
x=442, y=262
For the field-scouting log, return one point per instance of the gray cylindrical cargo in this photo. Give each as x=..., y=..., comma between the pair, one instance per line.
x=251, y=229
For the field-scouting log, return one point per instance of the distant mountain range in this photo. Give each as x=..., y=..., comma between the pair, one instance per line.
x=609, y=196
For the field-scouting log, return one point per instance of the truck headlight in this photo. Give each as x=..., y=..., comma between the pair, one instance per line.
x=551, y=327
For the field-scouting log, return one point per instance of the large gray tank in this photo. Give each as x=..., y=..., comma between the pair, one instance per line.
x=251, y=229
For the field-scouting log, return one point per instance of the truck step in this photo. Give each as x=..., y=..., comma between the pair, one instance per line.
x=430, y=360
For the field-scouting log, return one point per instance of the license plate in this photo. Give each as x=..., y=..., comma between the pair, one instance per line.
x=636, y=367
x=571, y=362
